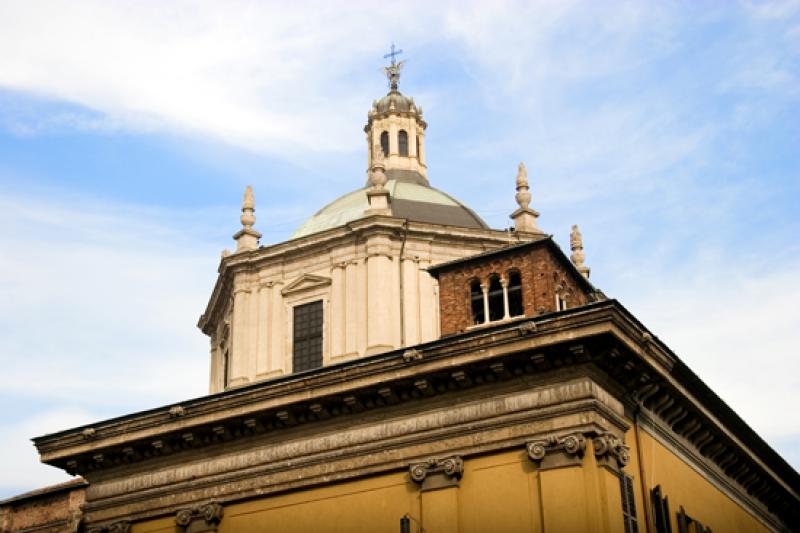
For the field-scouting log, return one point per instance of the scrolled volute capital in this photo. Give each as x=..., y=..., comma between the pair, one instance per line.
x=609, y=445
x=452, y=467
x=573, y=444
x=201, y=518
x=212, y=513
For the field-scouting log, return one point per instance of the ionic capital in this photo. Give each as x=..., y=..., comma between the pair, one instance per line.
x=199, y=519
x=609, y=447
x=436, y=473
x=557, y=451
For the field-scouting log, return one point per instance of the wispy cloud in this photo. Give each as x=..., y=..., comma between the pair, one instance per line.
x=100, y=301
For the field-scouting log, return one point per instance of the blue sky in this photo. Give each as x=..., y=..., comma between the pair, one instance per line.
x=669, y=131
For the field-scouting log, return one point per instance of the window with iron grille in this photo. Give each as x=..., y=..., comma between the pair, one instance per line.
x=628, y=504
x=307, y=336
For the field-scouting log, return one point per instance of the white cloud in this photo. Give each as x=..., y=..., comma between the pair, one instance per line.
x=99, y=302
x=20, y=469
x=268, y=77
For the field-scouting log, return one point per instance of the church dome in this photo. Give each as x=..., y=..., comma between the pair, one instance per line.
x=411, y=199
x=395, y=101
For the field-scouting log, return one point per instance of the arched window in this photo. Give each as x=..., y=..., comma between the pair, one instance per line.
x=385, y=143
x=402, y=142
x=417, y=137
x=515, y=294
x=476, y=302
x=495, y=298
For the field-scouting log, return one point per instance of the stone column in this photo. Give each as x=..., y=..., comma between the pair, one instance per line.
x=428, y=304
x=393, y=145
x=412, y=139
x=506, y=312
x=485, y=291
x=338, y=313
x=239, y=345
x=277, y=363
x=379, y=304
x=263, y=320
x=411, y=302
x=421, y=135
x=252, y=333
x=351, y=321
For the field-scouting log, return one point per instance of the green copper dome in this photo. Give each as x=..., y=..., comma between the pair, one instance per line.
x=410, y=200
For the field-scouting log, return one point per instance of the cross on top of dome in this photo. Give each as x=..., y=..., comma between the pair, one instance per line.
x=393, y=70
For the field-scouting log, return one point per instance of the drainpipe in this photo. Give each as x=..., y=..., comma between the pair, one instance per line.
x=402, y=286
x=645, y=496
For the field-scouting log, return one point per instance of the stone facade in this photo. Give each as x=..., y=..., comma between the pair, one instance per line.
x=567, y=415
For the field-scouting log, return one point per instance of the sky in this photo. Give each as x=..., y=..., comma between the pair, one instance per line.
x=669, y=131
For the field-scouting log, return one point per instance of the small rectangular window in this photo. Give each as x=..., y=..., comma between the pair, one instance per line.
x=307, y=336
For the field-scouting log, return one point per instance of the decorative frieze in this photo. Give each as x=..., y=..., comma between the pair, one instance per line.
x=557, y=451
x=199, y=519
x=437, y=473
x=122, y=526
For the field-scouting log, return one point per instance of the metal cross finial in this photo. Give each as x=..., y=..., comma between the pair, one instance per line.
x=393, y=54
x=393, y=70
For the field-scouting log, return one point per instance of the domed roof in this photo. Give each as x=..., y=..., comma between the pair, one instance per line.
x=410, y=199
x=395, y=101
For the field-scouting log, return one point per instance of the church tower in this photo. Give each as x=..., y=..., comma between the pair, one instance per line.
x=352, y=280
x=396, y=131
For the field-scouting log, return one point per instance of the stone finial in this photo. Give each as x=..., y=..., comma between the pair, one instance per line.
x=247, y=238
x=377, y=174
x=378, y=195
x=524, y=217
x=576, y=245
x=523, y=191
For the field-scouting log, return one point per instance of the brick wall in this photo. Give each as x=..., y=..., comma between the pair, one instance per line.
x=55, y=509
x=541, y=272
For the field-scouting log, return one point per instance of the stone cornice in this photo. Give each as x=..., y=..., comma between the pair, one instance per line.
x=601, y=335
x=341, y=380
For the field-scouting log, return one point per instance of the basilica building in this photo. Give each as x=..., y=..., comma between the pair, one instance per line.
x=399, y=366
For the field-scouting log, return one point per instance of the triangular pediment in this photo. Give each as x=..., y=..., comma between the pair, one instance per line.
x=306, y=282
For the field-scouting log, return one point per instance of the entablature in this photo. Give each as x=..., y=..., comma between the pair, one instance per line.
x=600, y=339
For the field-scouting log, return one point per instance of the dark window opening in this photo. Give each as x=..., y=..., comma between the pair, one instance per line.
x=402, y=142
x=476, y=301
x=417, y=146
x=307, y=336
x=515, y=294
x=385, y=143
x=661, y=518
x=628, y=504
x=495, y=299
x=225, y=368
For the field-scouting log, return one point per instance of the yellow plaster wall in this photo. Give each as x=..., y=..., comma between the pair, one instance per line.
x=501, y=493
x=684, y=487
